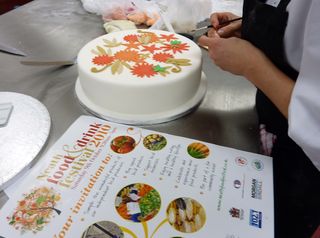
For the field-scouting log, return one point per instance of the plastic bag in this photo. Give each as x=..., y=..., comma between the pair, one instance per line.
x=185, y=14
x=109, y=10
x=137, y=11
x=180, y=16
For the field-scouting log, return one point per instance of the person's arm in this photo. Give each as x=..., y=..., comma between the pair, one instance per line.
x=276, y=85
x=242, y=58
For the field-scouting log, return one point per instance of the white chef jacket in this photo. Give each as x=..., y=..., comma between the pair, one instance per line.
x=302, y=48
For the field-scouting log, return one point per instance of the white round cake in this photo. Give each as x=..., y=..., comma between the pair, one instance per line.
x=140, y=76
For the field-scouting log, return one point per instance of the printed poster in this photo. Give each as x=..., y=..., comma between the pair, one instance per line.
x=103, y=179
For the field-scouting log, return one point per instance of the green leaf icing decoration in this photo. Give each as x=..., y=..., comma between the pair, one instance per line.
x=175, y=42
x=158, y=68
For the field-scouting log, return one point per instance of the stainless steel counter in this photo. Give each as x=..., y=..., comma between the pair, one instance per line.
x=58, y=29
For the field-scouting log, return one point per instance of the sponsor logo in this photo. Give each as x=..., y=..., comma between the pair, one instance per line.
x=236, y=213
x=257, y=164
x=241, y=161
x=236, y=183
x=256, y=189
x=255, y=218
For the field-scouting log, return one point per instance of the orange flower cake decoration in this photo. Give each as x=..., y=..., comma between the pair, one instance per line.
x=132, y=45
x=175, y=46
x=128, y=55
x=168, y=37
x=162, y=57
x=131, y=38
x=151, y=48
x=148, y=37
x=144, y=54
x=143, y=70
x=103, y=60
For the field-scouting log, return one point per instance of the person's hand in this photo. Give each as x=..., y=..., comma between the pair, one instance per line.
x=225, y=30
x=240, y=57
x=232, y=54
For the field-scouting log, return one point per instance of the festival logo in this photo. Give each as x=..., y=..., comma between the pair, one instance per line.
x=35, y=210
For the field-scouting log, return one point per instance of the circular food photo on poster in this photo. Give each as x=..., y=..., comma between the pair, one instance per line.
x=123, y=144
x=186, y=215
x=138, y=202
x=35, y=210
x=103, y=229
x=154, y=142
x=198, y=150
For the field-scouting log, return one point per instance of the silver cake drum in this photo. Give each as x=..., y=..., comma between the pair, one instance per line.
x=24, y=129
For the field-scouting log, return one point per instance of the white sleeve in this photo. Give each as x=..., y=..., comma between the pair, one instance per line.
x=304, y=108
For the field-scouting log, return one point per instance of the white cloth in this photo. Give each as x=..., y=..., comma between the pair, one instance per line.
x=302, y=46
x=234, y=6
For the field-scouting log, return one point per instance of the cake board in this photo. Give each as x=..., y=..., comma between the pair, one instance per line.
x=140, y=120
x=22, y=136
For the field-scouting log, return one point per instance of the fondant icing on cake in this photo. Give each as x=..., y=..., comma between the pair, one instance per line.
x=139, y=73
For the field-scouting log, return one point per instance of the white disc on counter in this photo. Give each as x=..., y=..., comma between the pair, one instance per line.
x=24, y=131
